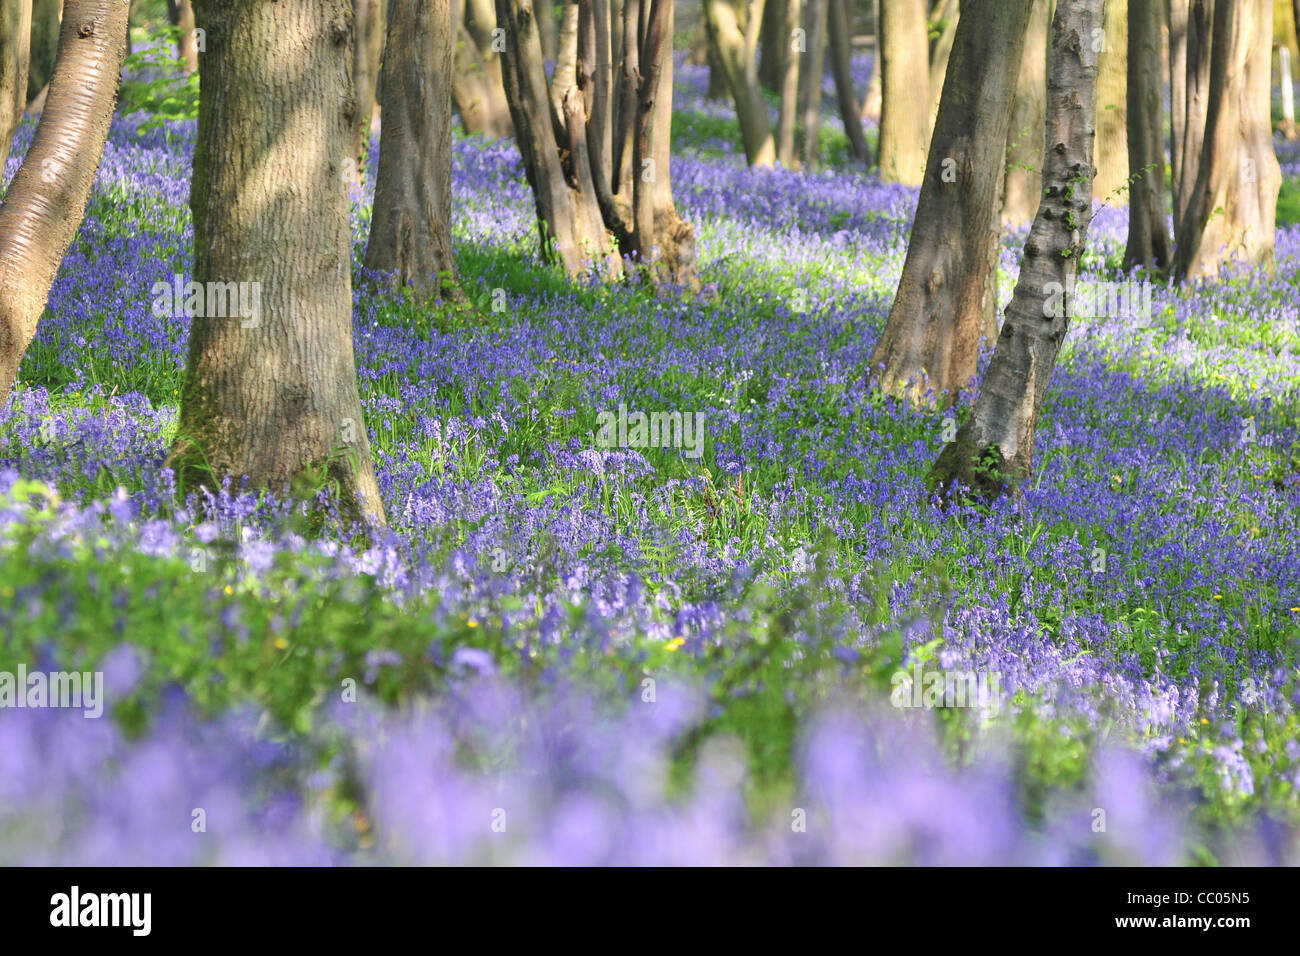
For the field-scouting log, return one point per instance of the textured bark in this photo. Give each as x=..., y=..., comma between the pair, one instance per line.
x=44, y=44
x=904, y=70
x=1189, y=65
x=789, y=87
x=930, y=345
x=367, y=53
x=410, y=232
x=734, y=41
x=813, y=69
x=15, y=39
x=994, y=449
x=44, y=205
x=570, y=224
x=1112, y=92
x=949, y=13
x=477, y=88
x=841, y=33
x=1023, y=185
x=1231, y=211
x=1148, y=230
x=276, y=400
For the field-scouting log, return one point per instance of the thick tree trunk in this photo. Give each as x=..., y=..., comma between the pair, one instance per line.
x=44, y=44
x=994, y=449
x=813, y=70
x=410, y=232
x=905, y=93
x=477, y=88
x=1111, y=185
x=949, y=13
x=795, y=49
x=1189, y=64
x=734, y=44
x=570, y=224
x=15, y=40
x=841, y=32
x=273, y=398
x=1148, y=230
x=366, y=55
x=46, y=201
x=930, y=345
x=1231, y=211
x=1023, y=186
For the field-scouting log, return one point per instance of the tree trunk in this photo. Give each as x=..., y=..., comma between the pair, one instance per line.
x=1231, y=211
x=1112, y=92
x=734, y=44
x=477, y=87
x=950, y=15
x=44, y=45
x=1023, y=186
x=795, y=48
x=1190, y=48
x=273, y=397
x=871, y=101
x=15, y=40
x=904, y=70
x=366, y=55
x=930, y=345
x=187, y=47
x=44, y=205
x=1148, y=230
x=994, y=450
x=569, y=219
x=546, y=27
x=841, y=33
x=774, y=44
x=410, y=232
x=814, y=70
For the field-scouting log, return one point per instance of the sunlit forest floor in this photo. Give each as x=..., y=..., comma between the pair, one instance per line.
x=567, y=653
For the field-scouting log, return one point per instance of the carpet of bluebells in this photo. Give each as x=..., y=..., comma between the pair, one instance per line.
x=562, y=653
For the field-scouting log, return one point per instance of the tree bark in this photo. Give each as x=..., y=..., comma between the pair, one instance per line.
x=1112, y=92
x=1148, y=230
x=1023, y=186
x=275, y=399
x=477, y=87
x=46, y=201
x=44, y=45
x=949, y=13
x=785, y=143
x=181, y=13
x=871, y=101
x=1231, y=211
x=930, y=346
x=813, y=69
x=905, y=67
x=1189, y=64
x=410, y=232
x=993, y=452
x=15, y=40
x=734, y=44
x=367, y=53
x=546, y=28
x=774, y=44
x=841, y=33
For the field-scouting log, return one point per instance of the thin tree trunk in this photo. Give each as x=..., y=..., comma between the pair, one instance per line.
x=930, y=345
x=187, y=47
x=735, y=50
x=1148, y=230
x=546, y=27
x=44, y=205
x=994, y=449
x=774, y=44
x=796, y=46
x=871, y=101
x=1112, y=93
x=814, y=70
x=274, y=398
x=44, y=45
x=410, y=233
x=841, y=30
x=1194, y=19
x=1231, y=212
x=366, y=55
x=950, y=16
x=15, y=40
x=477, y=88
x=1023, y=186
x=905, y=67
x=1287, y=83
